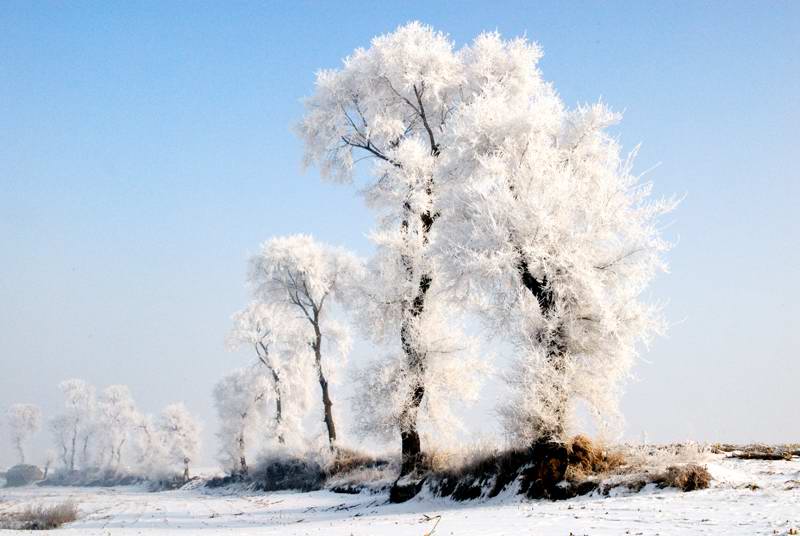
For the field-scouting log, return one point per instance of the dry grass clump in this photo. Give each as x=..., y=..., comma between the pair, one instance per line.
x=650, y=461
x=678, y=465
x=441, y=460
x=41, y=517
x=687, y=477
x=587, y=459
x=350, y=461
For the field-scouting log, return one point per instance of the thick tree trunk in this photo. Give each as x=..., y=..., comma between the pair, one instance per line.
x=556, y=346
x=410, y=444
x=411, y=448
x=327, y=404
x=186, y=469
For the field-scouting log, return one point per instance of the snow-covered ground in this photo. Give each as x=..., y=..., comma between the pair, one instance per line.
x=746, y=497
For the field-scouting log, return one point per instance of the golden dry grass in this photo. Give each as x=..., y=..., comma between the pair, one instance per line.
x=347, y=460
x=687, y=477
x=41, y=517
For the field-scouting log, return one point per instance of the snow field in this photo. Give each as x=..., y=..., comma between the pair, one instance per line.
x=746, y=497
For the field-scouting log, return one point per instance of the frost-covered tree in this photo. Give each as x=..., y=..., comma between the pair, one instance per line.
x=283, y=348
x=393, y=103
x=241, y=399
x=149, y=447
x=49, y=459
x=74, y=428
x=181, y=435
x=23, y=420
x=118, y=418
x=298, y=276
x=61, y=428
x=491, y=192
x=547, y=230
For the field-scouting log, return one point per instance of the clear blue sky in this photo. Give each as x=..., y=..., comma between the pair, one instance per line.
x=145, y=149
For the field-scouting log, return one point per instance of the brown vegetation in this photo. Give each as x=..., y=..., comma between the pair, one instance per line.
x=758, y=451
x=348, y=460
x=41, y=517
x=687, y=477
x=541, y=470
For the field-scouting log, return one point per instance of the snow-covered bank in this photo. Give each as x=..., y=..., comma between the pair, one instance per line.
x=747, y=497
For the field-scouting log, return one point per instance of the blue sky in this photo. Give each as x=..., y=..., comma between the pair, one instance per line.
x=145, y=150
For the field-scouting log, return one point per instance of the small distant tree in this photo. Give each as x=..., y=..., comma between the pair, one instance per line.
x=77, y=421
x=302, y=277
x=23, y=421
x=118, y=417
x=49, y=460
x=149, y=446
x=181, y=433
x=61, y=427
x=241, y=399
x=283, y=348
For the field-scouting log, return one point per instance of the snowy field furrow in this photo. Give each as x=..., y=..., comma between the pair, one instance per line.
x=747, y=498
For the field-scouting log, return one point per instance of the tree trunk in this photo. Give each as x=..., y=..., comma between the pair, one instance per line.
x=119, y=453
x=554, y=341
x=185, y=469
x=410, y=445
x=278, y=407
x=18, y=445
x=323, y=383
x=242, y=460
x=72, y=450
x=85, y=451
x=411, y=448
x=262, y=352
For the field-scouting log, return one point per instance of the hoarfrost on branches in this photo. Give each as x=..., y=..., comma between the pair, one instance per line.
x=392, y=103
x=301, y=278
x=117, y=416
x=181, y=435
x=490, y=193
x=75, y=428
x=551, y=236
x=23, y=421
x=284, y=353
x=241, y=399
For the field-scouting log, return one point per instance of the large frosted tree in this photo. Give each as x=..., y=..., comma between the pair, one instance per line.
x=393, y=103
x=550, y=233
x=490, y=190
x=298, y=276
